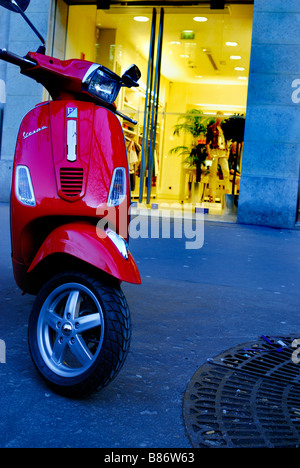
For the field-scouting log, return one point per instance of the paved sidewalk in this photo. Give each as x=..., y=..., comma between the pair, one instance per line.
x=192, y=305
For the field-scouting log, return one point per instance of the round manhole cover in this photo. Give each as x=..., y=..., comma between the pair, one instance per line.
x=248, y=396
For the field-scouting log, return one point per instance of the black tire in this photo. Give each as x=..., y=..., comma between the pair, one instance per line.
x=79, y=333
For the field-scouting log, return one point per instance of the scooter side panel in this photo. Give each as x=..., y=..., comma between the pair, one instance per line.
x=42, y=147
x=33, y=150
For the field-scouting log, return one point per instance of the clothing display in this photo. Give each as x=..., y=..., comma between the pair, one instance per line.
x=133, y=150
x=217, y=150
x=220, y=158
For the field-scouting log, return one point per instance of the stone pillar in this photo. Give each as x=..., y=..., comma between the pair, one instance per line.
x=270, y=167
x=21, y=93
x=4, y=33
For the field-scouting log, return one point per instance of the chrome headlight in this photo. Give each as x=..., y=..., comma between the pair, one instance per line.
x=102, y=83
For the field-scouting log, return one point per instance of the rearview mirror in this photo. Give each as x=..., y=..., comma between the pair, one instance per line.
x=131, y=76
x=14, y=4
x=20, y=6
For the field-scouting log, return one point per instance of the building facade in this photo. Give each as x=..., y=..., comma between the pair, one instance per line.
x=238, y=57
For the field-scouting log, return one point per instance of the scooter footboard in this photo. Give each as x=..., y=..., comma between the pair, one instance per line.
x=104, y=250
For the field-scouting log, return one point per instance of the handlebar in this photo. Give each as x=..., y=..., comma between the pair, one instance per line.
x=16, y=59
x=125, y=117
x=27, y=63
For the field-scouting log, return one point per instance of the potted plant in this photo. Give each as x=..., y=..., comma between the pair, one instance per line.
x=194, y=124
x=234, y=129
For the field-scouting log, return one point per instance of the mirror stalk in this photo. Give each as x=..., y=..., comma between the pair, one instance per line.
x=42, y=49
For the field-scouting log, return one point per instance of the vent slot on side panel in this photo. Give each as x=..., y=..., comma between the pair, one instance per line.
x=71, y=181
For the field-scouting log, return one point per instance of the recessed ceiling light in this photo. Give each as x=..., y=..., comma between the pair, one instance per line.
x=239, y=68
x=231, y=44
x=235, y=57
x=141, y=19
x=200, y=19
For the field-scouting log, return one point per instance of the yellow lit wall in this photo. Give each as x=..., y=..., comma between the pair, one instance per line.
x=175, y=97
x=81, y=32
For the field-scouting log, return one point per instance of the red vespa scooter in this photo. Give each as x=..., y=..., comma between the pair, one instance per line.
x=71, y=169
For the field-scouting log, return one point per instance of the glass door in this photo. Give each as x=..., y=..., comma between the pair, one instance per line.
x=126, y=36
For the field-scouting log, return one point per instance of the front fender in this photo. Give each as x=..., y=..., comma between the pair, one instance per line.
x=80, y=240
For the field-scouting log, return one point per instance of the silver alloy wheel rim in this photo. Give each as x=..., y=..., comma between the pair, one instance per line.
x=70, y=330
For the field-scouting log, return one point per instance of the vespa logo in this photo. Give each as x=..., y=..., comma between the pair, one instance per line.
x=34, y=132
x=72, y=113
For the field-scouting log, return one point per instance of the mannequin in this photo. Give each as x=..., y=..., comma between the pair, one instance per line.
x=217, y=151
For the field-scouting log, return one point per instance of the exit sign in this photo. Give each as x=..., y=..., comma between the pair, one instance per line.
x=188, y=35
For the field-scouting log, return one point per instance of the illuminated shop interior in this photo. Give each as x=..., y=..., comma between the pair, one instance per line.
x=205, y=55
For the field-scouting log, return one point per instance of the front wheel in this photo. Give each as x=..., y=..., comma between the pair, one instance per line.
x=79, y=333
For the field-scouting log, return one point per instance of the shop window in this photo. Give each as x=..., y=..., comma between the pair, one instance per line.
x=205, y=65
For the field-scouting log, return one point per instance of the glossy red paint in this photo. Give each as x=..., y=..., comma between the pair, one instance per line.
x=40, y=231
x=82, y=241
x=62, y=78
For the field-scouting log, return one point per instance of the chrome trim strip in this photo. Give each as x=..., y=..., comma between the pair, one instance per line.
x=72, y=140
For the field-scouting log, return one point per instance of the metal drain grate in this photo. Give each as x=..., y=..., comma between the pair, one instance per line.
x=248, y=396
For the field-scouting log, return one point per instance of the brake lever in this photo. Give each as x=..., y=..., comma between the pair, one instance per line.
x=125, y=117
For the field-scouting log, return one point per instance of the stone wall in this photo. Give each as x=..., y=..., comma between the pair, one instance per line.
x=270, y=168
x=21, y=93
